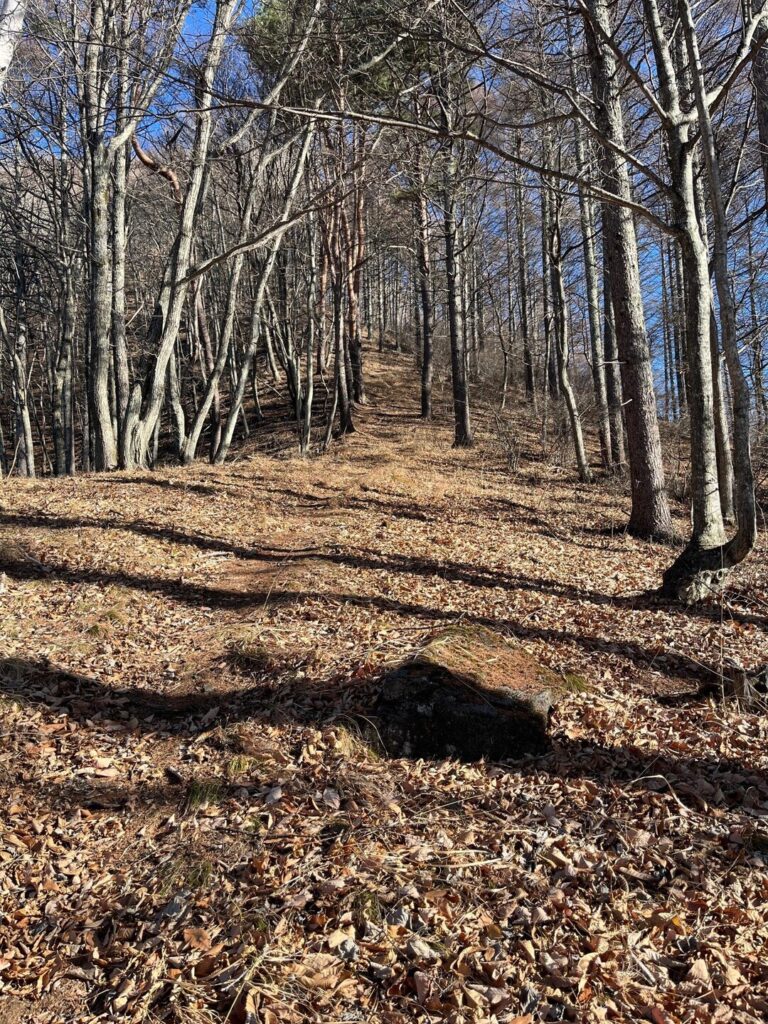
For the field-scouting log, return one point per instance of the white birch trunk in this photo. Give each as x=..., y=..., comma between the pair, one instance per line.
x=12, y=14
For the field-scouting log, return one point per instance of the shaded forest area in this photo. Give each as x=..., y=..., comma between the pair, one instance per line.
x=329, y=332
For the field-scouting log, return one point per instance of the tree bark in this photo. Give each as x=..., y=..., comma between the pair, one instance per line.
x=462, y=424
x=702, y=566
x=263, y=281
x=587, y=219
x=100, y=311
x=425, y=295
x=760, y=83
x=561, y=337
x=189, y=451
x=12, y=13
x=522, y=278
x=612, y=369
x=708, y=529
x=147, y=397
x=650, y=514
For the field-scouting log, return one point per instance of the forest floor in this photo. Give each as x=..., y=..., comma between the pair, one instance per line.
x=192, y=830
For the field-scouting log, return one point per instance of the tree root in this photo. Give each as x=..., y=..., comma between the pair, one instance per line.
x=697, y=575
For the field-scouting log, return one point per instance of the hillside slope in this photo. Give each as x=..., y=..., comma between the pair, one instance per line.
x=191, y=829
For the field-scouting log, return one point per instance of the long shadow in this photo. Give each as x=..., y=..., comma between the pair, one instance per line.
x=88, y=701
x=668, y=779
x=610, y=530
x=197, y=595
x=412, y=417
x=153, y=481
x=341, y=501
x=522, y=513
x=459, y=572
x=137, y=526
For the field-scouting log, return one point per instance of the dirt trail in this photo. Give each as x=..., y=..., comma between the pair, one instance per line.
x=183, y=658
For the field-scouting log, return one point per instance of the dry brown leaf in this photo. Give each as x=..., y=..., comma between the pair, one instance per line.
x=197, y=938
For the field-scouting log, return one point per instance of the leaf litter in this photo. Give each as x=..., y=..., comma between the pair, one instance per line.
x=194, y=828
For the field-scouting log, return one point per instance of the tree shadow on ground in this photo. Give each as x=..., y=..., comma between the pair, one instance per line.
x=197, y=595
x=206, y=490
x=363, y=558
x=95, y=706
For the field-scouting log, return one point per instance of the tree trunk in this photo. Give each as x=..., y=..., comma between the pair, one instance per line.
x=703, y=565
x=24, y=452
x=522, y=278
x=650, y=514
x=12, y=14
x=307, y=396
x=174, y=401
x=63, y=425
x=147, y=397
x=100, y=313
x=462, y=426
x=550, y=349
x=560, y=325
x=612, y=370
x=708, y=528
x=225, y=335
x=722, y=433
x=341, y=400
x=597, y=354
x=119, y=244
x=760, y=83
x=354, y=341
x=297, y=177
x=425, y=294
